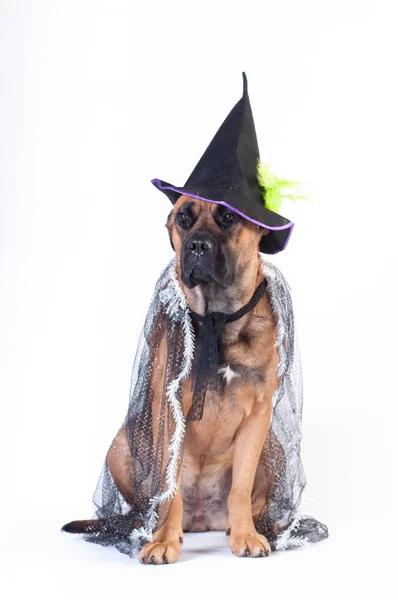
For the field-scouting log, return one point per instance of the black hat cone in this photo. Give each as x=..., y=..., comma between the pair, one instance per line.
x=227, y=174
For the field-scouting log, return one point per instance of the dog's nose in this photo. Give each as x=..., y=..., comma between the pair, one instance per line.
x=200, y=245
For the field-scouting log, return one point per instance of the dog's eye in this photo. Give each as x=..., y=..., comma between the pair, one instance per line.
x=229, y=218
x=182, y=219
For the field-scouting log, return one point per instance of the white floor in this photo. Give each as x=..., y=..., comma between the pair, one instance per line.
x=40, y=562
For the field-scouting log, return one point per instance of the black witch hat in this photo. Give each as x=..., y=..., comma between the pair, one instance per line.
x=227, y=174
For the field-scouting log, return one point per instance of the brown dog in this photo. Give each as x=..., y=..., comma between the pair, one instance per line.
x=219, y=268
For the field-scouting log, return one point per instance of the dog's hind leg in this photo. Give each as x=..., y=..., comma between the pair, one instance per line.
x=120, y=466
x=119, y=463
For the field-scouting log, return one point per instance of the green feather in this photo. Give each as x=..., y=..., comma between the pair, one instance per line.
x=274, y=190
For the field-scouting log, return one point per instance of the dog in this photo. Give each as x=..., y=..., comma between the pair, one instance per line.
x=220, y=486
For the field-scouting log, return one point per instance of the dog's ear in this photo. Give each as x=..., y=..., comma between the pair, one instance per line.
x=264, y=231
x=169, y=226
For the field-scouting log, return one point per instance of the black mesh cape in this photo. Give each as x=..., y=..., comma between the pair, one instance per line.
x=155, y=441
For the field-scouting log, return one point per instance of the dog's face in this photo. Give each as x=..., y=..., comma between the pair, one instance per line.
x=212, y=243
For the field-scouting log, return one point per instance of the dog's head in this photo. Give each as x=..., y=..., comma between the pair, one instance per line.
x=212, y=242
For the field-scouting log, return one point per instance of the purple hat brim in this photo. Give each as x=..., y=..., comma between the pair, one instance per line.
x=161, y=185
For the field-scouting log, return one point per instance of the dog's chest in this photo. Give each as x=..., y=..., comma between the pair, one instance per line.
x=222, y=415
x=231, y=376
x=226, y=404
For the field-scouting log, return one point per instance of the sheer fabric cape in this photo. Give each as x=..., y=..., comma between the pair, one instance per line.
x=155, y=431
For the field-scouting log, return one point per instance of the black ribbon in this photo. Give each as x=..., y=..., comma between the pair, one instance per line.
x=209, y=355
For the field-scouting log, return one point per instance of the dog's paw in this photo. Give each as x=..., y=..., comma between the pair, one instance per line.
x=160, y=553
x=248, y=544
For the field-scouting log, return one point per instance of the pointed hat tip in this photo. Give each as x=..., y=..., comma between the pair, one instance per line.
x=244, y=83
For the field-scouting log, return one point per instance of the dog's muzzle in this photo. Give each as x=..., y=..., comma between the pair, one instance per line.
x=203, y=260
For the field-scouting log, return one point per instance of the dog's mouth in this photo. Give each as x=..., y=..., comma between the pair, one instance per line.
x=200, y=274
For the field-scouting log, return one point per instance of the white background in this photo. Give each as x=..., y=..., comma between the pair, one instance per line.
x=96, y=99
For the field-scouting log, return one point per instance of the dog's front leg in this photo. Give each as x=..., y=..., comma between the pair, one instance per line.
x=167, y=541
x=250, y=437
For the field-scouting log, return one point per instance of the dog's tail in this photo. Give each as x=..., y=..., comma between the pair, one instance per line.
x=88, y=526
